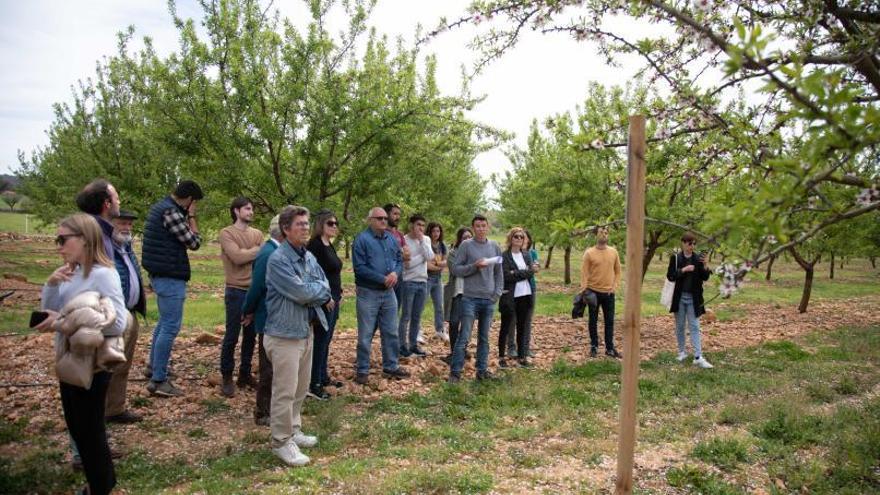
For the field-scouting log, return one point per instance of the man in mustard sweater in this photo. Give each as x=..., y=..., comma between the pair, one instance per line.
x=239, y=245
x=600, y=272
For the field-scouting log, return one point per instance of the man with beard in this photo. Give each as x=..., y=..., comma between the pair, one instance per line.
x=239, y=245
x=600, y=273
x=100, y=200
x=133, y=292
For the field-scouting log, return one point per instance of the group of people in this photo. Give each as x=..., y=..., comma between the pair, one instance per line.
x=283, y=296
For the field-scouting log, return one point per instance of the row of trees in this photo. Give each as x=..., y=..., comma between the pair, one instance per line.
x=252, y=105
x=764, y=125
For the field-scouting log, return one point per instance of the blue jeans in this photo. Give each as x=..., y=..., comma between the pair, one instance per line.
x=414, y=294
x=454, y=322
x=606, y=302
x=480, y=310
x=321, y=349
x=234, y=299
x=376, y=308
x=435, y=290
x=686, y=311
x=170, y=295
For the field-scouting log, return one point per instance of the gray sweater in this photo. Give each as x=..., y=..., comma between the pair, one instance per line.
x=486, y=283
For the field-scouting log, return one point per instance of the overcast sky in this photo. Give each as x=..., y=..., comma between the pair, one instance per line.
x=46, y=46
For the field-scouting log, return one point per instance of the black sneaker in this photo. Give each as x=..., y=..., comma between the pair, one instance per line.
x=362, y=378
x=613, y=353
x=332, y=383
x=397, y=374
x=124, y=418
x=416, y=351
x=593, y=352
x=261, y=420
x=317, y=393
x=485, y=375
x=525, y=363
x=404, y=353
x=502, y=363
x=454, y=378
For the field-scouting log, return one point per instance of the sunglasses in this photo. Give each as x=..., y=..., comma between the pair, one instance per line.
x=690, y=242
x=332, y=223
x=381, y=219
x=519, y=236
x=62, y=239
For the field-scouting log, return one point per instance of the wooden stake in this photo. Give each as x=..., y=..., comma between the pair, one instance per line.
x=635, y=238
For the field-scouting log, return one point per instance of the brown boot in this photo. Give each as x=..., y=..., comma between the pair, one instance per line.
x=227, y=388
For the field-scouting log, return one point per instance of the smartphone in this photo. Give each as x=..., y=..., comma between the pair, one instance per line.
x=38, y=317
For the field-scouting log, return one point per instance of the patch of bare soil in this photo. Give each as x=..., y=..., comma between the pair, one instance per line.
x=28, y=388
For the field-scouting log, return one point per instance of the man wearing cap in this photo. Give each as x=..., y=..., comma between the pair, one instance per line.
x=133, y=291
x=171, y=229
x=254, y=312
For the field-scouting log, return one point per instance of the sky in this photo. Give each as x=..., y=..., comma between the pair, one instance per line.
x=47, y=46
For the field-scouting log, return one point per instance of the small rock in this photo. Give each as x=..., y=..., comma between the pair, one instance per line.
x=207, y=338
x=214, y=379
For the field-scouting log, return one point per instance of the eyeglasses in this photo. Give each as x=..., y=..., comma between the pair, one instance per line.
x=519, y=236
x=381, y=219
x=690, y=242
x=62, y=239
x=332, y=223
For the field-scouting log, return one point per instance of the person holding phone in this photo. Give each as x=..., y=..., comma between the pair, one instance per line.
x=86, y=268
x=689, y=270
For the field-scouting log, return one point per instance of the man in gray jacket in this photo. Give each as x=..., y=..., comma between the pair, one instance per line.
x=296, y=288
x=478, y=262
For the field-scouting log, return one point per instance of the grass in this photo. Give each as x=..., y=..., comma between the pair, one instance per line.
x=23, y=223
x=479, y=437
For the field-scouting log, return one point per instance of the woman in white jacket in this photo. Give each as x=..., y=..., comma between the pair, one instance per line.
x=86, y=268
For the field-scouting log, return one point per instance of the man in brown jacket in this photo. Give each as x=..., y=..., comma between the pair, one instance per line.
x=239, y=245
x=600, y=272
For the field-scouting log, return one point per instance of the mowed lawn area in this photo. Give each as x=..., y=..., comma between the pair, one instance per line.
x=787, y=416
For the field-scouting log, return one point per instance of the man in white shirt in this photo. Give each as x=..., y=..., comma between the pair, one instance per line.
x=415, y=286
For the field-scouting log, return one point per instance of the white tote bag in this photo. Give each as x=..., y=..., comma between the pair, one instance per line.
x=668, y=289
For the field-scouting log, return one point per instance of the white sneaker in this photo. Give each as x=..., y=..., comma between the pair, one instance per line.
x=681, y=356
x=442, y=336
x=303, y=440
x=702, y=363
x=290, y=454
x=421, y=339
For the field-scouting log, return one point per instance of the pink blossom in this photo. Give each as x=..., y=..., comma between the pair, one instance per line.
x=703, y=5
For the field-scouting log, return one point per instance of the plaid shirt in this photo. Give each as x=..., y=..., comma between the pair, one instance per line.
x=176, y=223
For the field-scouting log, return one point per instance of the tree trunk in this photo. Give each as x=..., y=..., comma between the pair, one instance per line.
x=831, y=267
x=873, y=261
x=652, y=244
x=347, y=250
x=770, y=267
x=808, y=277
x=567, y=265
x=549, y=255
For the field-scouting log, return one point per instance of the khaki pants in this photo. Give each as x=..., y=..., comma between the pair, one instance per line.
x=119, y=381
x=291, y=369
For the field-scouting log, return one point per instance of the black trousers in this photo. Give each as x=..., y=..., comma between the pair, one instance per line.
x=84, y=415
x=264, y=385
x=520, y=317
x=605, y=301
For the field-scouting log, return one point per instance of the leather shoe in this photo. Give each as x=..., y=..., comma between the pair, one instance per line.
x=227, y=388
x=124, y=418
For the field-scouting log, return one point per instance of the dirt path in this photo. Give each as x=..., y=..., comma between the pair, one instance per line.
x=29, y=390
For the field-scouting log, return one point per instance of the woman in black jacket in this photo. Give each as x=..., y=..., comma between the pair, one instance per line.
x=688, y=270
x=516, y=304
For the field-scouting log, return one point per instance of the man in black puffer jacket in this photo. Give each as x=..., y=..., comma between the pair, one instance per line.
x=169, y=231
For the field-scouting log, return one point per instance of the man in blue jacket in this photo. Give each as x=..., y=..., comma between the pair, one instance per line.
x=254, y=310
x=378, y=265
x=296, y=288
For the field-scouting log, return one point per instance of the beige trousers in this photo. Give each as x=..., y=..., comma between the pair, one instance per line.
x=119, y=381
x=291, y=370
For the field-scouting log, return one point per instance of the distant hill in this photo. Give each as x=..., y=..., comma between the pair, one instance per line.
x=9, y=182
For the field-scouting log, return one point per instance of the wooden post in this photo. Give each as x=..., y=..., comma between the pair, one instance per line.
x=635, y=238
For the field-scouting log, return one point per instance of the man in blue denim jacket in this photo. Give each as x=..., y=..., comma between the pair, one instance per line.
x=378, y=264
x=296, y=288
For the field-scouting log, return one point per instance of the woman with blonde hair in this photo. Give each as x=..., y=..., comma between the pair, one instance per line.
x=86, y=269
x=516, y=304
